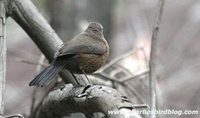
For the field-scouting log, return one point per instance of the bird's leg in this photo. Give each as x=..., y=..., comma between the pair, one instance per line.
x=86, y=77
x=75, y=78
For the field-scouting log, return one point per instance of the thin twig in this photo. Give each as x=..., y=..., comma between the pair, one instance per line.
x=127, y=70
x=152, y=62
x=106, y=77
x=22, y=53
x=118, y=59
x=136, y=75
x=32, y=62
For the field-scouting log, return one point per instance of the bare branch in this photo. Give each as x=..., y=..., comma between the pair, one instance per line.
x=118, y=59
x=2, y=55
x=90, y=99
x=31, y=62
x=136, y=76
x=152, y=62
x=104, y=76
x=30, y=19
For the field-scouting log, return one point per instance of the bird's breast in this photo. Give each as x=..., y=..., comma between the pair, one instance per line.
x=91, y=62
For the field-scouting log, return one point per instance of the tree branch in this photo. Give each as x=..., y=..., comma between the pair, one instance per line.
x=90, y=99
x=152, y=62
x=118, y=59
x=2, y=54
x=136, y=76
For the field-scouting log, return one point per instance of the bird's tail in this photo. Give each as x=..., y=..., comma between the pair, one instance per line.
x=47, y=74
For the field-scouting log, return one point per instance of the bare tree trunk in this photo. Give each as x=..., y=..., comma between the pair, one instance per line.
x=3, y=55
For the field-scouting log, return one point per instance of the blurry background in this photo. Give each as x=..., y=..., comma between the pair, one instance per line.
x=127, y=26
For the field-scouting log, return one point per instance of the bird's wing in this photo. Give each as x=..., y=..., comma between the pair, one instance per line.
x=83, y=44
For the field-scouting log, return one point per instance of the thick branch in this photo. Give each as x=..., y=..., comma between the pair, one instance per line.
x=2, y=55
x=90, y=99
x=29, y=18
x=152, y=63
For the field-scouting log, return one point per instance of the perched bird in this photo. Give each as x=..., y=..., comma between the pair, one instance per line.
x=83, y=54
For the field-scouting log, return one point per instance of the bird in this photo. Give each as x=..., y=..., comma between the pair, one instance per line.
x=83, y=54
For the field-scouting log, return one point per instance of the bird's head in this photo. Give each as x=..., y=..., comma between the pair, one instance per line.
x=95, y=28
